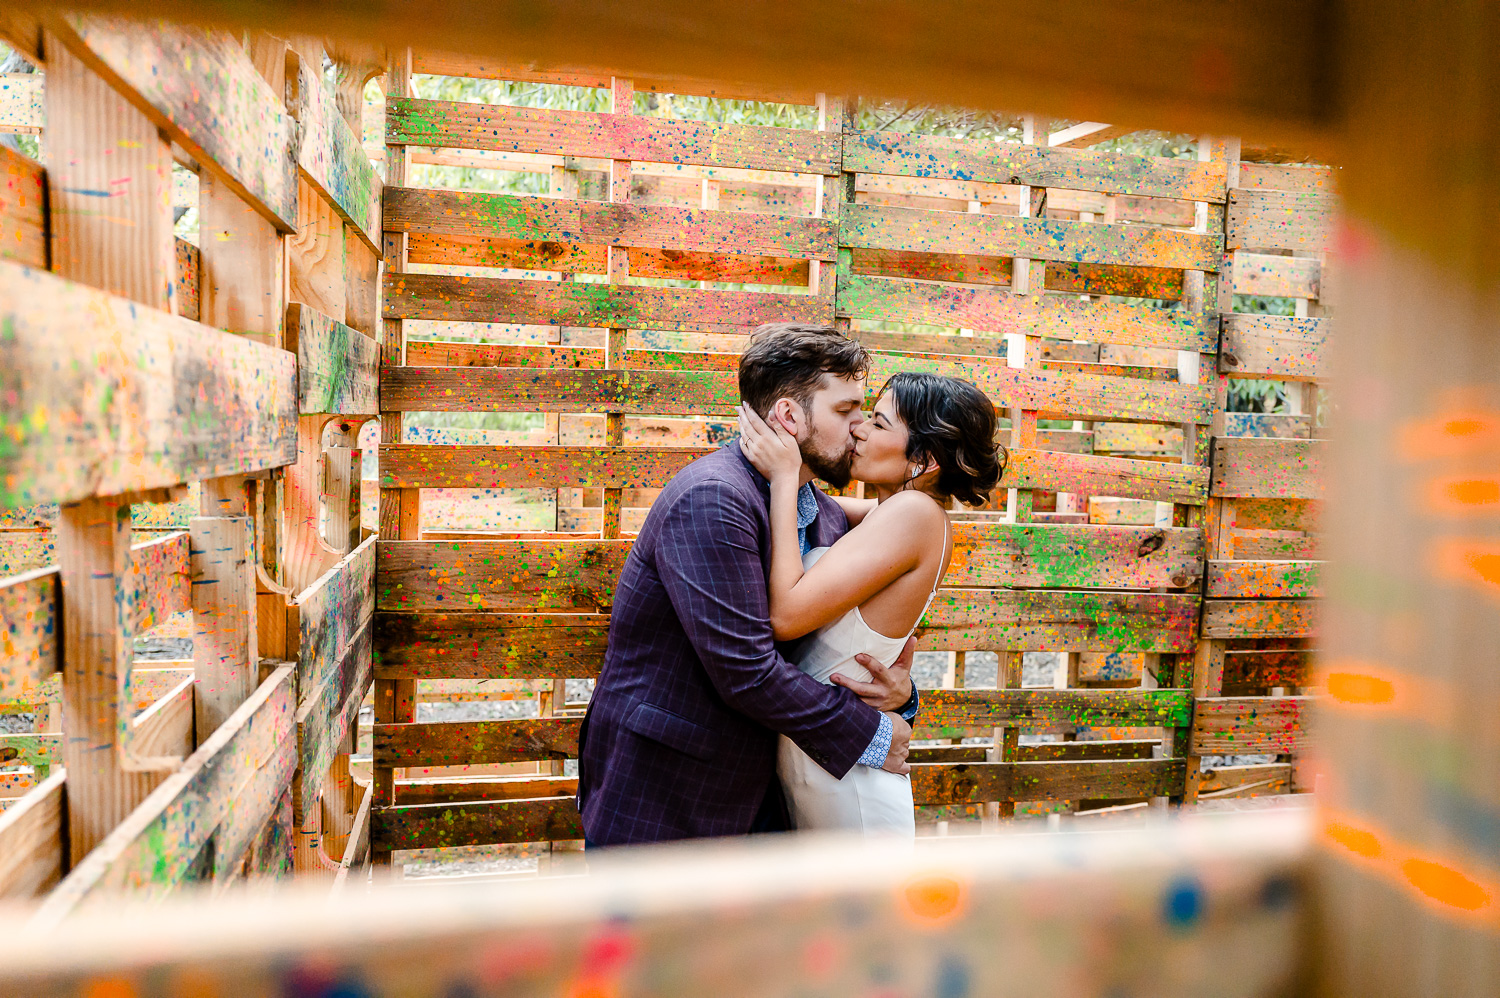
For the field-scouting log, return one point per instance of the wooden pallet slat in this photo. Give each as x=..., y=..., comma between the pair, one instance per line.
x=1091, y=474
x=325, y=716
x=983, y=160
x=969, y=783
x=475, y=742
x=329, y=616
x=1022, y=620
x=23, y=210
x=429, y=826
x=337, y=367
x=915, y=230
x=1275, y=346
x=1267, y=618
x=1250, y=725
x=1248, y=468
x=420, y=466
x=332, y=158
x=1262, y=219
x=202, y=89
x=601, y=135
x=32, y=840
x=457, y=389
x=456, y=576
x=968, y=708
x=1265, y=579
x=112, y=397
x=489, y=645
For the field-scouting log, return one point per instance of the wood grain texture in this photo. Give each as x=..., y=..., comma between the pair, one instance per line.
x=1265, y=579
x=316, y=253
x=1261, y=220
x=1003, y=620
x=420, y=466
x=187, y=291
x=1252, y=468
x=969, y=783
x=914, y=230
x=1277, y=276
x=234, y=780
x=332, y=159
x=986, y=160
x=241, y=282
x=23, y=207
x=32, y=841
x=113, y=398
x=1298, y=177
x=425, y=353
x=476, y=742
x=30, y=608
x=595, y=223
x=1248, y=725
x=202, y=89
x=1260, y=619
x=337, y=366
x=410, y=121
x=330, y=615
x=1276, y=347
x=494, y=299
x=325, y=716
x=999, y=310
x=1090, y=474
x=460, y=389
x=946, y=711
x=1073, y=556
x=431, y=826
x=489, y=645
x=457, y=576
x=225, y=656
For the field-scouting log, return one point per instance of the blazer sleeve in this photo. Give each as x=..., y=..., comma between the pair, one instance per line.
x=708, y=558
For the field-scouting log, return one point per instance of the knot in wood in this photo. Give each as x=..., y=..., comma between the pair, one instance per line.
x=1153, y=542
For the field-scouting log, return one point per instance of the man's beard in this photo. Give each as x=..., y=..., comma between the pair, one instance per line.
x=836, y=470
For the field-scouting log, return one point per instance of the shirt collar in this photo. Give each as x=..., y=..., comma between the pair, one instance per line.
x=807, y=499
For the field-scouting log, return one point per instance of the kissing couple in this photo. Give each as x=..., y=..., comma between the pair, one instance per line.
x=758, y=673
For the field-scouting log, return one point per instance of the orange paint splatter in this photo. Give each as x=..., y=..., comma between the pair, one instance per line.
x=1356, y=840
x=110, y=987
x=1445, y=884
x=933, y=900
x=1360, y=688
x=1473, y=561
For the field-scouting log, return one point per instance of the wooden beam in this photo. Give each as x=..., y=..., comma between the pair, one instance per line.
x=331, y=157
x=33, y=841
x=1276, y=347
x=489, y=645
x=1250, y=725
x=1275, y=618
x=971, y=783
x=137, y=399
x=1268, y=469
x=336, y=365
x=23, y=232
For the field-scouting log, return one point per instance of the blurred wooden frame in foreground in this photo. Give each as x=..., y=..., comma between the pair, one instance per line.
x=1128, y=913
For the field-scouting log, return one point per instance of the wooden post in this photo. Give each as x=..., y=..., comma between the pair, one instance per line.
x=621, y=96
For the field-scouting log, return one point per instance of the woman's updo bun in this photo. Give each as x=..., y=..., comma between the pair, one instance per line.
x=951, y=422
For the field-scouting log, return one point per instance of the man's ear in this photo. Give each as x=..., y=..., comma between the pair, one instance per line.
x=791, y=416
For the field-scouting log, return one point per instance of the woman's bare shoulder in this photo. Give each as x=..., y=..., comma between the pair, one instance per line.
x=914, y=514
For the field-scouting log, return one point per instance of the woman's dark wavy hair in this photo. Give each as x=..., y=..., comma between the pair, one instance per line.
x=952, y=422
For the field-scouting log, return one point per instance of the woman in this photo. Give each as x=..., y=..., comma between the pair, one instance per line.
x=931, y=440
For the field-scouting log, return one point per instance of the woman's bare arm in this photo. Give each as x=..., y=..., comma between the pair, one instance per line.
x=854, y=509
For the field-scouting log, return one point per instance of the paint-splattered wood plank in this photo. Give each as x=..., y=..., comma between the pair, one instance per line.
x=983, y=912
x=928, y=345
x=1275, y=346
x=330, y=614
x=22, y=103
x=1265, y=220
x=576, y=258
x=324, y=717
x=150, y=682
x=1278, y=514
x=454, y=743
x=953, y=709
x=985, y=160
x=478, y=67
x=1137, y=748
x=999, y=310
x=157, y=585
x=1070, y=556
x=917, y=231
x=223, y=784
x=1296, y=177
x=410, y=121
x=415, y=466
x=459, y=576
x=421, y=353
x=336, y=366
x=1248, y=725
x=1002, y=620
x=32, y=837
x=186, y=283
x=1265, y=579
x=431, y=826
x=967, y=783
x=1252, y=468
x=599, y=223
x=23, y=219
x=508, y=389
x=39, y=751
x=1267, y=424
x=201, y=88
x=26, y=550
x=1291, y=618
x=30, y=608
x=332, y=159
x=1262, y=670
x=1163, y=283
x=16, y=784
x=105, y=397
x=1259, y=780
x=454, y=791
x=1275, y=545
x=1277, y=276
x=494, y=299
x=489, y=645
x=1088, y=474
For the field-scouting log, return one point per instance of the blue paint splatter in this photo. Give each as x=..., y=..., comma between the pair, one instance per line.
x=952, y=979
x=1183, y=903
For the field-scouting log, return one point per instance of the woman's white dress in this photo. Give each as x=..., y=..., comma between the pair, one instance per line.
x=867, y=799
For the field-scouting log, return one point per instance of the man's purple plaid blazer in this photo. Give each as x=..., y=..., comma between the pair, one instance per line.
x=680, y=738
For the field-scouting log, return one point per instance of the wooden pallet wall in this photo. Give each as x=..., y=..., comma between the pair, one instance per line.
x=139, y=364
x=1038, y=271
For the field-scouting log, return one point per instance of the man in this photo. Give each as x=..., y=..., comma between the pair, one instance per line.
x=680, y=737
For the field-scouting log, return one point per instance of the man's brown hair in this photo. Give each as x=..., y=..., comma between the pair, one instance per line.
x=788, y=360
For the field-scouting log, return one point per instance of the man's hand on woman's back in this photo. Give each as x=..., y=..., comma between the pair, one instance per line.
x=890, y=687
x=895, y=759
